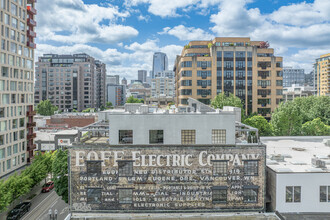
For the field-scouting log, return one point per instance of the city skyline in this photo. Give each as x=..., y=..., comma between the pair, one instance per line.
x=297, y=30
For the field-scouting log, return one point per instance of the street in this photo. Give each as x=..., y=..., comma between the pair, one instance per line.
x=41, y=204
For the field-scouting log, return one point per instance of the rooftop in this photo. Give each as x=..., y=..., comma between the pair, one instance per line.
x=295, y=154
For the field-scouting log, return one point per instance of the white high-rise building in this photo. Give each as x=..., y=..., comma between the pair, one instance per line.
x=16, y=84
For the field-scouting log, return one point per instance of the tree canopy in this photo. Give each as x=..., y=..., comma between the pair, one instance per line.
x=131, y=99
x=60, y=174
x=226, y=100
x=289, y=117
x=264, y=127
x=315, y=128
x=46, y=108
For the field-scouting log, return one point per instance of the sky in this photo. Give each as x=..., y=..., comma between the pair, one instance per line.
x=124, y=34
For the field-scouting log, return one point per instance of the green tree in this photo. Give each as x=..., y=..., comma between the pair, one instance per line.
x=108, y=104
x=19, y=185
x=264, y=127
x=88, y=110
x=5, y=196
x=315, y=128
x=287, y=119
x=131, y=99
x=37, y=171
x=46, y=108
x=60, y=174
x=226, y=100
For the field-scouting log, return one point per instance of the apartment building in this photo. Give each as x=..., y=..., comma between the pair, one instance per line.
x=322, y=72
x=16, y=84
x=293, y=76
x=116, y=94
x=100, y=79
x=163, y=84
x=142, y=76
x=112, y=79
x=70, y=81
x=202, y=160
x=248, y=69
x=296, y=91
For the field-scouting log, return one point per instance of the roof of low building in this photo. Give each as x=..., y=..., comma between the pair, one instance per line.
x=295, y=154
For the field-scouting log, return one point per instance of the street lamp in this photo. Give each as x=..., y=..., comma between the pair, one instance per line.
x=51, y=215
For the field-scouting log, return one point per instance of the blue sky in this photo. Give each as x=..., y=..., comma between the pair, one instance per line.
x=125, y=33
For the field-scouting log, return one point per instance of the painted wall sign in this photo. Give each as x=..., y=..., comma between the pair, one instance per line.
x=169, y=178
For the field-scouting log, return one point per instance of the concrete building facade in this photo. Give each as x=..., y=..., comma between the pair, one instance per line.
x=322, y=75
x=112, y=79
x=296, y=91
x=142, y=76
x=248, y=69
x=16, y=84
x=116, y=94
x=298, y=174
x=293, y=76
x=70, y=81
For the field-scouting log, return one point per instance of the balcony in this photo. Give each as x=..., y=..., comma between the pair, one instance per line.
x=31, y=22
x=31, y=10
x=31, y=124
x=31, y=44
x=31, y=33
x=31, y=136
x=31, y=113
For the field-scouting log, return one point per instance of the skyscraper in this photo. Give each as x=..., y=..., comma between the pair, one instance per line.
x=248, y=69
x=112, y=79
x=16, y=84
x=142, y=75
x=159, y=64
x=70, y=81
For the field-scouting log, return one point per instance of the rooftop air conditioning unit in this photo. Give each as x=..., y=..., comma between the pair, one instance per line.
x=277, y=157
x=316, y=162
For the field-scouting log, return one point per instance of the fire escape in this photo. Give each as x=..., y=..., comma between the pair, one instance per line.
x=30, y=124
x=31, y=23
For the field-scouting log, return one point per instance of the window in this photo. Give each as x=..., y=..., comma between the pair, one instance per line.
x=188, y=136
x=125, y=168
x=218, y=136
x=125, y=136
x=293, y=194
x=220, y=167
x=251, y=168
x=156, y=136
x=93, y=195
x=125, y=196
x=2, y=112
x=93, y=168
x=8, y=151
x=219, y=194
x=2, y=153
x=250, y=194
x=324, y=193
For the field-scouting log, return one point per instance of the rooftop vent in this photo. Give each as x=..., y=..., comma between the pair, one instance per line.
x=277, y=157
x=316, y=162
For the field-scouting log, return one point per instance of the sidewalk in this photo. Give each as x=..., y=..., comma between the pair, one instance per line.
x=35, y=190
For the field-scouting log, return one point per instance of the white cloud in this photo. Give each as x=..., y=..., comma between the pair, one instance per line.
x=187, y=33
x=170, y=7
x=72, y=21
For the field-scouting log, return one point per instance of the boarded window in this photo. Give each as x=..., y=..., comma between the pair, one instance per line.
x=125, y=196
x=251, y=168
x=125, y=168
x=93, y=168
x=94, y=195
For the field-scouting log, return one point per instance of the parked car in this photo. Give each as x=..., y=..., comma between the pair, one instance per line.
x=47, y=186
x=19, y=211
